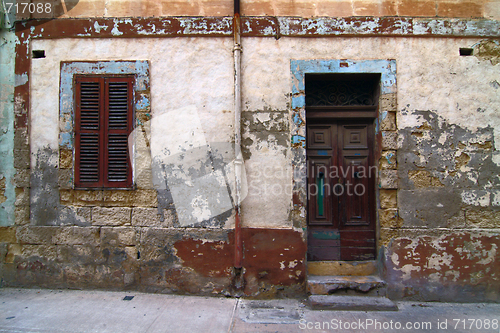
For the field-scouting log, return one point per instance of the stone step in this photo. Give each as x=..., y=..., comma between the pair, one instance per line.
x=351, y=303
x=346, y=285
x=344, y=268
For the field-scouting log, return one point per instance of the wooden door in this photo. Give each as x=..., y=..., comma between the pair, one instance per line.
x=341, y=192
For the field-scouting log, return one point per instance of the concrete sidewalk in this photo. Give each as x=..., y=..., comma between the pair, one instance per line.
x=38, y=310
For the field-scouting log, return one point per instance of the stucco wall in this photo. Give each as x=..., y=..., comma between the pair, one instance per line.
x=461, y=93
x=304, y=8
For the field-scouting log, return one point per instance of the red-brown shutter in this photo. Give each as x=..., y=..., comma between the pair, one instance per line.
x=119, y=126
x=88, y=127
x=103, y=122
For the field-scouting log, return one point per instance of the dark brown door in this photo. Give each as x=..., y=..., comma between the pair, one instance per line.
x=341, y=178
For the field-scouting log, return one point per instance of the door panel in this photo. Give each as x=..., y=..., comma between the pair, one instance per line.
x=319, y=184
x=320, y=136
x=341, y=219
x=354, y=198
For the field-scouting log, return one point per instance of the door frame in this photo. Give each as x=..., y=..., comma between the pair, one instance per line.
x=385, y=131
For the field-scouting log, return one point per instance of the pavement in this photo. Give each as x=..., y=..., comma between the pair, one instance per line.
x=42, y=310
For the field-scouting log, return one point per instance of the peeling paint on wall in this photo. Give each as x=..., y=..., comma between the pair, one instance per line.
x=442, y=267
x=7, y=172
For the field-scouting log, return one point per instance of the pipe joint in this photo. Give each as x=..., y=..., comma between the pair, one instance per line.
x=237, y=47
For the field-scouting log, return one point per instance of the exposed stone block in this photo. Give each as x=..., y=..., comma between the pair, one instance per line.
x=22, y=196
x=145, y=198
x=118, y=198
x=22, y=178
x=85, y=212
x=389, y=179
x=21, y=139
x=66, y=196
x=388, y=160
x=131, y=252
x=389, y=218
x=144, y=178
x=388, y=102
x=22, y=215
x=124, y=198
x=8, y=235
x=2, y=183
x=65, y=159
x=13, y=250
x=78, y=275
x=65, y=180
x=3, y=198
x=388, y=198
x=149, y=217
x=36, y=234
x=47, y=252
x=114, y=216
x=388, y=122
x=76, y=236
x=85, y=198
x=3, y=252
x=457, y=221
x=81, y=254
x=119, y=236
x=389, y=140
x=482, y=218
x=68, y=215
x=423, y=178
x=21, y=159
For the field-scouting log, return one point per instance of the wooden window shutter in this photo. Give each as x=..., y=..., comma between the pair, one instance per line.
x=103, y=123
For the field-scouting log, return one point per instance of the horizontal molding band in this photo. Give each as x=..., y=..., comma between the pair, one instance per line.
x=259, y=26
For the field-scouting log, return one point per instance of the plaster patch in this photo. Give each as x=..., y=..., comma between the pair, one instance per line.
x=476, y=198
x=495, y=198
x=21, y=79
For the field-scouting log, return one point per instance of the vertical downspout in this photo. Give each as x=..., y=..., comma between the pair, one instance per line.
x=238, y=250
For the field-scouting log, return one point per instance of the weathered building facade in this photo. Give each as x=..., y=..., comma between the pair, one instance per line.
x=422, y=147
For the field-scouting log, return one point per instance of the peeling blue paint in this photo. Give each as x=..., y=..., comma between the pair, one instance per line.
x=66, y=140
x=142, y=103
x=387, y=69
x=388, y=157
x=296, y=119
x=298, y=102
x=299, y=139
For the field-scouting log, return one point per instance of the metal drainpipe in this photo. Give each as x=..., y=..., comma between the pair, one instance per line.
x=238, y=250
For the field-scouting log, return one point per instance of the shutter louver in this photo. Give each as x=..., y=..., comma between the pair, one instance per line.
x=89, y=105
x=89, y=158
x=117, y=157
x=118, y=105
